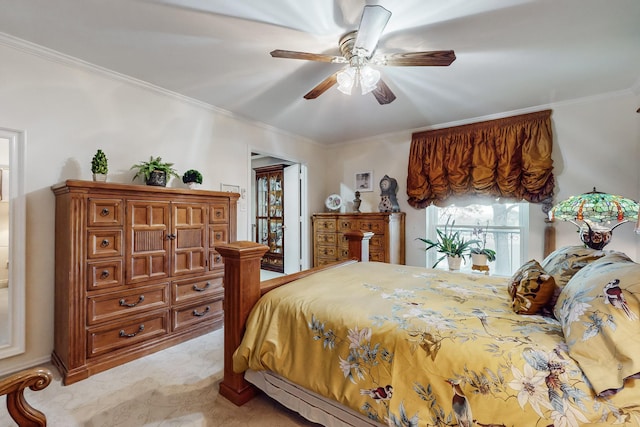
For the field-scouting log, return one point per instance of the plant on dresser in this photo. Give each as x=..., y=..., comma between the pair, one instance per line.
x=136, y=271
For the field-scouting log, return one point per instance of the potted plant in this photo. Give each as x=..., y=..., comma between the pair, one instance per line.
x=480, y=254
x=155, y=171
x=99, y=166
x=192, y=177
x=451, y=244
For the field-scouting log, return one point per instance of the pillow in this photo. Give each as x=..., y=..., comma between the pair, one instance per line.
x=599, y=310
x=563, y=263
x=530, y=288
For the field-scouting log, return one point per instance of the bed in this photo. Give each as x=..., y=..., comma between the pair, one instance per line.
x=360, y=343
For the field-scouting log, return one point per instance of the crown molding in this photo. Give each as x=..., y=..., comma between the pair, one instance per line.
x=71, y=61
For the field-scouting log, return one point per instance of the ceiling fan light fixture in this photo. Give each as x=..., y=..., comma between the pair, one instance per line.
x=346, y=79
x=369, y=78
x=365, y=77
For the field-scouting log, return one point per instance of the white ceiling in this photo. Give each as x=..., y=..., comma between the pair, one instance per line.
x=512, y=55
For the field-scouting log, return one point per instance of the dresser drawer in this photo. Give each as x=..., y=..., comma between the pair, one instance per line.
x=111, y=306
x=347, y=225
x=376, y=256
x=185, y=317
x=216, y=262
x=103, y=339
x=377, y=241
x=183, y=291
x=104, y=243
x=326, y=238
x=324, y=225
x=324, y=261
x=368, y=225
x=326, y=251
x=218, y=213
x=104, y=274
x=105, y=212
x=218, y=234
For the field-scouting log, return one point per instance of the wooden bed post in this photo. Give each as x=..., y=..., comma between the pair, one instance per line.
x=359, y=244
x=241, y=292
x=243, y=289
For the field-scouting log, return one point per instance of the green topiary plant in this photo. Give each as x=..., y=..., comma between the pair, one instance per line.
x=155, y=165
x=99, y=163
x=192, y=175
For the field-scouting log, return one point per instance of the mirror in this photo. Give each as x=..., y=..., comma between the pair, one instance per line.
x=12, y=243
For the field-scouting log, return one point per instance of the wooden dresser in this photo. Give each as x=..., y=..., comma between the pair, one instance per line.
x=136, y=271
x=330, y=245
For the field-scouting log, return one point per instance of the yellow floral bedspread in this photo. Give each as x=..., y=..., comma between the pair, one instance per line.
x=409, y=346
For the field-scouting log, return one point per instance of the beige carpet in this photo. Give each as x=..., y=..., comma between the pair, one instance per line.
x=175, y=387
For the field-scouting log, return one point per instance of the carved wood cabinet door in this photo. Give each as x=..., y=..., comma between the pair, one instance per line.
x=148, y=240
x=188, y=238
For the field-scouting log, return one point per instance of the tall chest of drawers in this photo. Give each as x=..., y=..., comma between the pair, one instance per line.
x=386, y=245
x=136, y=271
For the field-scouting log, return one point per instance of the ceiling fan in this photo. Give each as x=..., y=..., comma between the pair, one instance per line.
x=358, y=51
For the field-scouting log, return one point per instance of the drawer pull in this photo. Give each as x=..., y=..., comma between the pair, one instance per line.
x=104, y=243
x=104, y=212
x=200, y=314
x=123, y=334
x=104, y=274
x=133, y=304
x=199, y=289
x=218, y=214
x=171, y=236
x=218, y=259
x=218, y=236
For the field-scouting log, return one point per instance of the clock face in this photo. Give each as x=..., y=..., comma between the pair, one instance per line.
x=385, y=184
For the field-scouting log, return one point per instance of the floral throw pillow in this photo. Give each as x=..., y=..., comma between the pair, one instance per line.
x=563, y=263
x=599, y=310
x=530, y=288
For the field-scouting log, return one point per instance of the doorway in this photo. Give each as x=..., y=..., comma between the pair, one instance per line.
x=296, y=223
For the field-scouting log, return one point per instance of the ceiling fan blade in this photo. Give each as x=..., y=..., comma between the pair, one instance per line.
x=322, y=86
x=416, y=59
x=307, y=56
x=374, y=19
x=383, y=94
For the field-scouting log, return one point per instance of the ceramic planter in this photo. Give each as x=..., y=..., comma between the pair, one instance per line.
x=454, y=262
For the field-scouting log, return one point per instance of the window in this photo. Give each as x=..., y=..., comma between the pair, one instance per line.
x=507, y=225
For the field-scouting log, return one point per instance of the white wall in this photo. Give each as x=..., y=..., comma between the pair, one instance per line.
x=595, y=144
x=69, y=110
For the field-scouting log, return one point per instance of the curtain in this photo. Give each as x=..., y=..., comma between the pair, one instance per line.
x=508, y=158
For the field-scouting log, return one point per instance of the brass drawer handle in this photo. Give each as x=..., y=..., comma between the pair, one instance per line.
x=202, y=313
x=218, y=259
x=104, y=274
x=123, y=334
x=199, y=289
x=104, y=243
x=104, y=212
x=133, y=304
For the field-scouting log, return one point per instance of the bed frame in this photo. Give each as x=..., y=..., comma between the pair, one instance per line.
x=242, y=289
x=14, y=385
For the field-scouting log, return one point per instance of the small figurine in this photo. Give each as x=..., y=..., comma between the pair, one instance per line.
x=356, y=202
x=388, y=188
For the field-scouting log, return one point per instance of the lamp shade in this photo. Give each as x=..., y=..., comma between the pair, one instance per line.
x=595, y=207
x=596, y=214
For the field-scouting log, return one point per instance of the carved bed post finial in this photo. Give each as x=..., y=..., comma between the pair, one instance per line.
x=241, y=292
